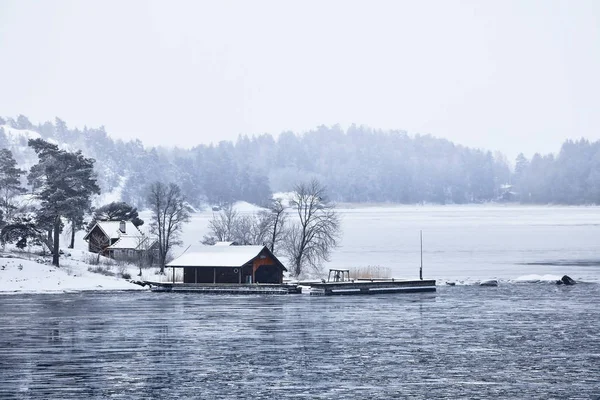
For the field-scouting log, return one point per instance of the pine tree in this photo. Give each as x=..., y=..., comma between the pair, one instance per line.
x=116, y=211
x=3, y=138
x=23, y=122
x=10, y=183
x=64, y=182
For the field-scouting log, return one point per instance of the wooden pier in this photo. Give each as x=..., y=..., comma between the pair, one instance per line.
x=372, y=286
x=256, y=288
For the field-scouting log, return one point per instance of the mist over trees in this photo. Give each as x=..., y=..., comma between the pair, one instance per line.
x=358, y=164
x=572, y=177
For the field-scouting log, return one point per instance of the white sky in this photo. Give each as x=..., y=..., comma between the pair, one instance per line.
x=503, y=75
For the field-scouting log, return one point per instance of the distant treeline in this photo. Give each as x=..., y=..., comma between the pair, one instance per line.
x=571, y=177
x=357, y=165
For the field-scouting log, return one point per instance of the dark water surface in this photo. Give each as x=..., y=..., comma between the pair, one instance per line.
x=514, y=341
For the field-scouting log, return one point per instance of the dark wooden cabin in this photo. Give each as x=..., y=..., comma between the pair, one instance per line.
x=230, y=264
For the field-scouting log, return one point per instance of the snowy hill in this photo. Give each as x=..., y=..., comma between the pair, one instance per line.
x=125, y=169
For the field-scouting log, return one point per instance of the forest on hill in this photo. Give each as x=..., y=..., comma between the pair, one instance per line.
x=358, y=164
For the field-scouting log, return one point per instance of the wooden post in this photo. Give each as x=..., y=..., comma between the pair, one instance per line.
x=240, y=275
x=195, y=275
x=421, y=269
x=173, y=274
x=214, y=275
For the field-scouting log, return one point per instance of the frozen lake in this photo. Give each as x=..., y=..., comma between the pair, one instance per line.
x=464, y=243
x=514, y=341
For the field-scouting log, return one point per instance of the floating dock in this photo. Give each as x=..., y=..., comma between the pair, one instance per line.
x=224, y=288
x=372, y=286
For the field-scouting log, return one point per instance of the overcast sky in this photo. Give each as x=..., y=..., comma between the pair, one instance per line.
x=502, y=75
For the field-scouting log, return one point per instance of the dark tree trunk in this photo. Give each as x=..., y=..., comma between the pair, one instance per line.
x=56, y=241
x=274, y=236
x=163, y=257
x=72, y=245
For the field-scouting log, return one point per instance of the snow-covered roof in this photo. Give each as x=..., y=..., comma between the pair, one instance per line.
x=132, y=242
x=223, y=244
x=217, y=256
x=112, y=229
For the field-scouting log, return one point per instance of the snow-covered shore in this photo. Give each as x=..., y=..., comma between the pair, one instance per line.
x=19, y=274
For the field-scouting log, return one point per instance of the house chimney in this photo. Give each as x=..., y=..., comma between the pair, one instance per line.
x=122, y=226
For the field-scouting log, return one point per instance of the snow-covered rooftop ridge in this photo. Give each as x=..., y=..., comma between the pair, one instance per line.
x=217, y=256
x=113, y=229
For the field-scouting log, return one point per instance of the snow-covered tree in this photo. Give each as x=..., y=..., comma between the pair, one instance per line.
x=23, y=122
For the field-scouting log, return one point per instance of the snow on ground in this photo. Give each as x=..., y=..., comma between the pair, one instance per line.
x=79, y=270
x=245, y=207
x=24, y=275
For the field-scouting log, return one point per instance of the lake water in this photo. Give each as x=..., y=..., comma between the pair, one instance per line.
x=463, y=243
x=513, y=341
x=518, y=340
x=474, y=242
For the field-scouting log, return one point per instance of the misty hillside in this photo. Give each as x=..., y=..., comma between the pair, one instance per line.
x=357, y=165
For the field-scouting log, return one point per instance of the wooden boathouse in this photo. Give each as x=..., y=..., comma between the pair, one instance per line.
x=229, y=265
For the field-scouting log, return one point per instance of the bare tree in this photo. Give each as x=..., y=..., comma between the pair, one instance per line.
x=169, y=213
x=245, y=230
x=316, y=232
x=145, y=252
x=273, y=222
x=221, y=226
x=98, y=243
x=263, y=228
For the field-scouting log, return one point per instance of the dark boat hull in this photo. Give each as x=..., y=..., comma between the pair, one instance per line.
x=227, y=288
x=372, y=287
